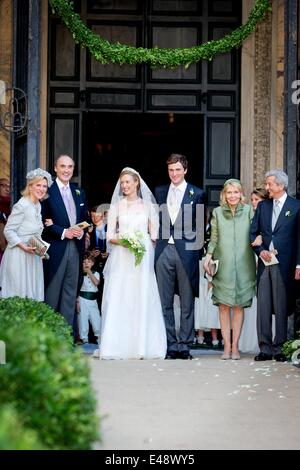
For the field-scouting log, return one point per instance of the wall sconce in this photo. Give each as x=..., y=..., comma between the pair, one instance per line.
x=171, y=118
x=13, y=109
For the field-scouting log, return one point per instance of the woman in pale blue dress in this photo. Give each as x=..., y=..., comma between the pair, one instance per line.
x=21, y=270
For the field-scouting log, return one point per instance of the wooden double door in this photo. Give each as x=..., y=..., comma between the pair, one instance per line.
x=110, y=116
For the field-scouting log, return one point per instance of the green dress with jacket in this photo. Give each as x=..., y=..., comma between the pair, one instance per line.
x=235, y=280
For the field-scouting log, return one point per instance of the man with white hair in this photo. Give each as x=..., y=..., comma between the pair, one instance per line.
x=277, y=220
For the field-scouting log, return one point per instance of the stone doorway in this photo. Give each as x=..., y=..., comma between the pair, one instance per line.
x=142, y=141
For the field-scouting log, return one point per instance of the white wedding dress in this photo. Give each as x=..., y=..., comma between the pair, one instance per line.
x=132, y=319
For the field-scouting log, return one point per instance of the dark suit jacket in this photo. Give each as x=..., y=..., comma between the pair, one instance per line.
x=101, y=245
x=184, y=229
x=286, y=237
x=54, y=208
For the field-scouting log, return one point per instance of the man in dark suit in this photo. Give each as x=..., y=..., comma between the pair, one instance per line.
x=277, y=220
x=65, y=207
x=178, y=249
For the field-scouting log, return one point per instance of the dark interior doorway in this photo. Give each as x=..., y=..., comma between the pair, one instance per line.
x=142, y=141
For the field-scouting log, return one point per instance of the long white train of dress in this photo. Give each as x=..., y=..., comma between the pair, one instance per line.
x=132, y=320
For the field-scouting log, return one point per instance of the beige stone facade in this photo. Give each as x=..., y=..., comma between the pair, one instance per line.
x=262, y=92
x=6, y=62
x=262, y=97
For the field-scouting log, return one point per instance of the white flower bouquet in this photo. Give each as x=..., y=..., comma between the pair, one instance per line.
x=135, y=243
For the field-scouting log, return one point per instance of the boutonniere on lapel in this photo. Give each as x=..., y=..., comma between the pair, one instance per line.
x=288, y=214
x=191, y=194
x=77, y=191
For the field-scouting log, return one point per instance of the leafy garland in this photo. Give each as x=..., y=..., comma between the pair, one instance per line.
x=105, y=52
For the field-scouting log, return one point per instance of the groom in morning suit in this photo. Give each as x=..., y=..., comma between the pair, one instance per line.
x=177, y=254
x=66, y=207
x=277, y=220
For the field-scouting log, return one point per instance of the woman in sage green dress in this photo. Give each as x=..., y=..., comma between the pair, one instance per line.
x=235, y=281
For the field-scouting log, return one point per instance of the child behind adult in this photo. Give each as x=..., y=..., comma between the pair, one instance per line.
x=96, y=244
x=206, y=314
x=87, y=306
x=248, y=341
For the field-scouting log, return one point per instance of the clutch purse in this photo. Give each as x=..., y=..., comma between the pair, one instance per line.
x=41, y=247
x=213, y=268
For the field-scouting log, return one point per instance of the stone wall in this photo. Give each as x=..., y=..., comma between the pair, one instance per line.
x=6, y=61
x=262, y=100
x=262, y=97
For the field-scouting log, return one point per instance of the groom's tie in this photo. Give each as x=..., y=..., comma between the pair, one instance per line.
x=174, y=203
x=176, y=198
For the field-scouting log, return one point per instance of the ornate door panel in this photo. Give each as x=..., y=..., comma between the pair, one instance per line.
x=20, y=139
x=79, y=84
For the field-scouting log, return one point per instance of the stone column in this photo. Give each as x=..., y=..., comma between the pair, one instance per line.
x=33, y=127
x=44, y=83
x=6, y=61
x=247, y=104
x=262, y=97
x=262, y=100
x=277, y=86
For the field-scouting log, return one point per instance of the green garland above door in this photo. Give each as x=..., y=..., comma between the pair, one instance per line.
x=106, y=52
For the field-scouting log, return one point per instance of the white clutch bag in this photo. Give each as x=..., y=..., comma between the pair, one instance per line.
x=213, y=268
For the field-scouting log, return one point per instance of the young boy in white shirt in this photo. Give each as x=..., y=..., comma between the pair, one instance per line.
x=87, y=306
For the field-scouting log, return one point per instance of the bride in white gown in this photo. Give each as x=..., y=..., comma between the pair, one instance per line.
x=132, y=319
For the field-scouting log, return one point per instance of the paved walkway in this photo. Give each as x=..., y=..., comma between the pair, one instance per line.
x=205, y=403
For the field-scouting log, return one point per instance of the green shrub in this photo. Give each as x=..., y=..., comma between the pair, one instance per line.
x=13, y=434
x=45, y=378
x=17, y=309
x=291, y=346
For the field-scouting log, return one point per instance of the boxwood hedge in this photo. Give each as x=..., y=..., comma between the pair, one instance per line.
x=13, y=434
x=45, y=378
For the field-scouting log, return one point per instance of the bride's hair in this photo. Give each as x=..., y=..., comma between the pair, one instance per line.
x=142, y=190
x=134, y=174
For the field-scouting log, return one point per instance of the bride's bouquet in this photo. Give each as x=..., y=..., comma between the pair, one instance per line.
x=135, y=243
